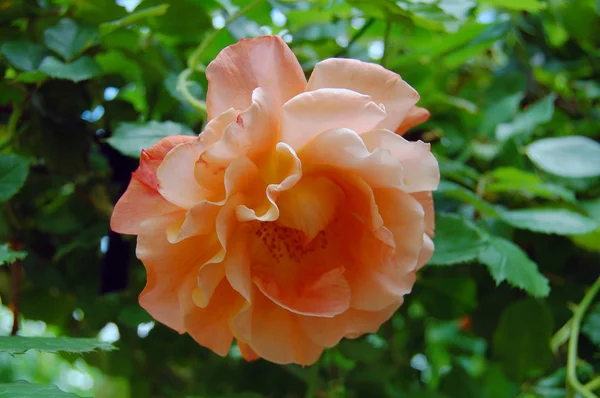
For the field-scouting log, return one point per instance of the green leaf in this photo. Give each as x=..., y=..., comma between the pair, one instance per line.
x=68, y=38
x=18, y=344
x=506, y=261
x=537, y=114
x=13, y=173
x=522, y=339
x=513, y=180
x=572, y=157
x=23, y=389
x=81, y=69
x=458, y=192
x=131, y=138
x=457, y=240
x=591, y=325
x=109, y=27
x=23, y=55
x=519, y=5
x=550, y=221
x=9, y=256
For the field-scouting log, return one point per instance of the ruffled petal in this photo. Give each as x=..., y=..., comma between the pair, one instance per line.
x=344, y=150
x=265, y=62
x=404, y=216
x=326, y=295
x=384, y=86
x=210, y=326
x=426, y=252
x=254, y=131
x=311, y=113
x=421, y=170
x=281, y=170
x=351, y=324
x=176, y=179
x=141, y=200
x=170, y=267
x=247, y=353
x=274, y=333
x=426, y=200
x=310, y=205
x=414, y=117
x=138, y=203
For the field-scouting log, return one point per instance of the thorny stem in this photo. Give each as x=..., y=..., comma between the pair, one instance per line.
x=194, y=59
x=572, y=379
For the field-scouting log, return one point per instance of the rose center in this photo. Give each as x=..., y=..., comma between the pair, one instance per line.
x=284, y=243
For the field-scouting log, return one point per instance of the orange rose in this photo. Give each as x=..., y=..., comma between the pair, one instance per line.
x=296, y=218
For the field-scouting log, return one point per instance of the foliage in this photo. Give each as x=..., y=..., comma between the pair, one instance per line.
x=512, y=86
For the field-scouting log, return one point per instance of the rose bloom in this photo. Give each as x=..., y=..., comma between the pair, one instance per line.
x=298, y=217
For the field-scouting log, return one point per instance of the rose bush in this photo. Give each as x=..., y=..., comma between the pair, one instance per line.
x=298, y=216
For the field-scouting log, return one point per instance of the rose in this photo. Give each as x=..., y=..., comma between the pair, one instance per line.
x=296, y=218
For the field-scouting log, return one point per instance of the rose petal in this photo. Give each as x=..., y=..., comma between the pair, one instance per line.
x=421, y=170
x=177, y=182
x=138, y=203
x=382, y=85
x=141, y=200
x=247, y=353
x=313, y=112
x=210, y=326
x=414, y=117
x=265, y=62
x=254, y=131
x=352, y=323
x=426, y=252
x=169, y=266
x=274, y=333
x=344, y=150
x=426, y=200
x=324, y=296
x=310, y=205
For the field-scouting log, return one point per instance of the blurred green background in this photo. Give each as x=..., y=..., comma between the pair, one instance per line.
x=506, y=308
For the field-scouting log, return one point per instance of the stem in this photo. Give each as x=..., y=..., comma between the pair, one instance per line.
x=593, y=384
x=572, y=379
x=194, y=59
x=16, y=273
x=313, y=381
x=182, y=87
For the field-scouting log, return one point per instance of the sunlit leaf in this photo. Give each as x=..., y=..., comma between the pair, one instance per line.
x=81, y=69
x=8, y=255
x=68, y=38
x=539, y=113
x=572, y=157
x=131, y=138
x=550, y=221
x=23, y=55
x=18, y=344
x=23, y=389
